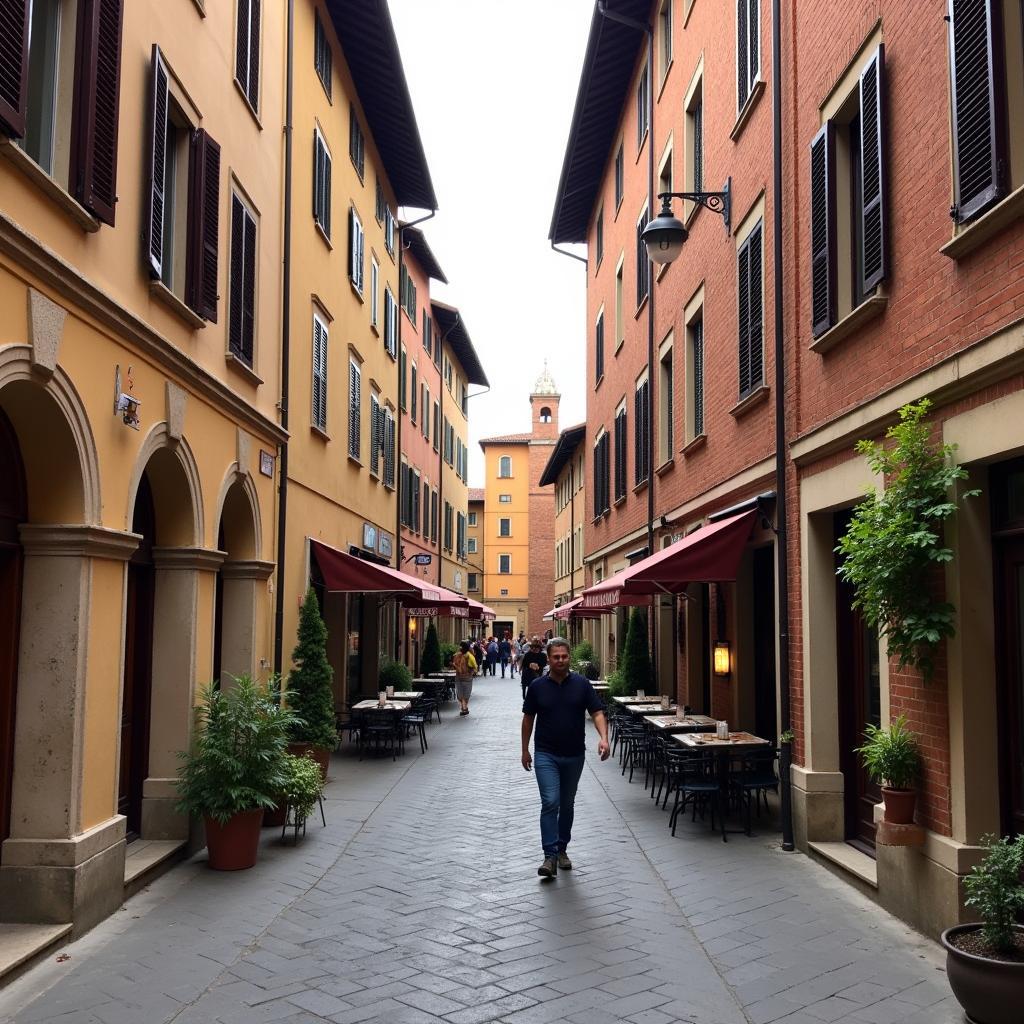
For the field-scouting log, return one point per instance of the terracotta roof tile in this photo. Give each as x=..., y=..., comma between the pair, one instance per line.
x=508, y=439
x=476, y=494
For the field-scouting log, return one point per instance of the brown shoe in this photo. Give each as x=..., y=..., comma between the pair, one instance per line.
x=549, y=868
x=564, y=863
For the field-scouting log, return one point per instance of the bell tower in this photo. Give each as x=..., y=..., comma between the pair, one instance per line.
x=544, y=401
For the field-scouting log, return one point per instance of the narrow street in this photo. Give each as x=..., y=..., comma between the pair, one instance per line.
x=420, y=903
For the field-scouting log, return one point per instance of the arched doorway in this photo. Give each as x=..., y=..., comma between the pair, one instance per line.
x=13, y=512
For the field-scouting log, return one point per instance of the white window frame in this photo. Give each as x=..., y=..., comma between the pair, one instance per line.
x=319, y=320
x=507, y=571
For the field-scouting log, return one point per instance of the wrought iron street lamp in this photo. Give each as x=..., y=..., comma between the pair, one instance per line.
x=665, y=235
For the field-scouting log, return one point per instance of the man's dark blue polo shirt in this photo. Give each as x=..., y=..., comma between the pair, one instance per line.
x=560, y=709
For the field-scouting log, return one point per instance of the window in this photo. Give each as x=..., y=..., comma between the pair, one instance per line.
x=693, y=127
x=619, y=172
x=505, y=466
x=389, y=230
x=322, y=58
x=242, y=301
x=59, y=93
x=601, y=475
x=665, y=410
x=402, y=382
x=643, y=263
x=433, y=516
x=665, y=35
x=464, y=398
x=376, y=433
x=472, y=519
x=748, y=43
x=184, y=191
x=380, y=204
x=357, y=243
x=355, y=386
x=356, y=142
x=665, y=170
x=620, y=453
x=545, y=415
x=695, y=375
x=425, y=411
x=474, y=579
x=504, y=564
x=389, y=449
x=390, y=323
x=428, y=332
x=414, y=495
x=751, y=311
x=599, y=348
x=620, y=326
x=471, y=542
x=448, y=526
x=504, y=527
x=414, y=393
x=599, y=239
x=247, y=50
x=437, y=426
x=642, y=432
x=505, y=499
x=374, y=291
x=460, y=535
x=321, y=183
x=407, y=293
x=643, y=107
x=320, y=335
x=848, y=207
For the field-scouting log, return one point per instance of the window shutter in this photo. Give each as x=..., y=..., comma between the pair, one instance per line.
x=14, y=31
x=157, y=163
x=698, y=377
x=237, y=284
x=823, y=230
x=354, y=399
x=873, y=183
x=252, y=85
x=979, y=135
x=325, y=195
x=248, y=292
x=599, y=349
x=743, y=286
x=698, y=147
x=638, y=436
x=756, y=334
x=741, y=53
x=597, y=479
x=242, y=44
x=203, y=225
x=352, y=244
x=753, y=38
x=96, y=107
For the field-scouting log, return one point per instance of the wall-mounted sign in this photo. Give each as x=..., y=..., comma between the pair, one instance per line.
x=423, y=559
x=266, y=463
x=458, y=582
x=384, y=544
x=369, y=536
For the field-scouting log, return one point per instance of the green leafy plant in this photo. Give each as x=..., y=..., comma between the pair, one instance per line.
x=635, y=664
x=891, y=756
x=894, y=541
x=616, y=684
x=396, y=674
x=590, y=669
x=788, y=736
x=448, y=651
x=430, y=661
x=309, y=692
x=994, y=890
x=583, y=651
x=238, y=760
x=303, y=784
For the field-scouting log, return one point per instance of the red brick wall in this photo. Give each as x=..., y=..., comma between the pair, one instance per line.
x=542, y=533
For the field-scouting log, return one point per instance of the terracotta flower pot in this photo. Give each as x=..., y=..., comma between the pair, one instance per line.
x=233, y=846
x=990, y=991
x=899, y=805
x=275, y=818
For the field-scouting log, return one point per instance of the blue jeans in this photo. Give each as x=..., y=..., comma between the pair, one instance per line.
x=557, y=779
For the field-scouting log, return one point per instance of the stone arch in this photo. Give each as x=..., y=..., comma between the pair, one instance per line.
x=183, y=520
x=239, y=503
x=69, y=490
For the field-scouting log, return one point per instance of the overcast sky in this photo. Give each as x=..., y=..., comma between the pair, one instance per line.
x=493, y=85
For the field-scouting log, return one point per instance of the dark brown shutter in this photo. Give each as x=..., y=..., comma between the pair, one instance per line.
x=979, y=121
x=157, y=162
x=235, y=300
x=242, y=45
x=873, y=184
x=741, y=53
x=13, y=66
x=743, y=287
x=249, y=292
x=204, y=224
x=96, y=107
x=253, y=84
x=823, y=230
x=754, y=38
x=756, y=334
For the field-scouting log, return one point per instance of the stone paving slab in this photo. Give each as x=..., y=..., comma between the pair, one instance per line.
x=419, y=903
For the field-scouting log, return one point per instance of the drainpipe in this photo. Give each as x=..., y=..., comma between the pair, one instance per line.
x=782, y=533
x=286, y=307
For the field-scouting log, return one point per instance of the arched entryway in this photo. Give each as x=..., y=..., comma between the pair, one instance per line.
x=13, y=512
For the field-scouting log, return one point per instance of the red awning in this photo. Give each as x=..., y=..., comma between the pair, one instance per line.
x=573, y=610
x=480, y=611
x=449, y=603
x=349, y=575
x=710, y=555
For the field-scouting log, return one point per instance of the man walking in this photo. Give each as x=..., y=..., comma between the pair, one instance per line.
x=534, y=662
x=557, y=702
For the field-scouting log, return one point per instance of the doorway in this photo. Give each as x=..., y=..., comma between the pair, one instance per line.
x=765, y=690
x=858, y=675
x=13, y=512
x=1007, y=491
x=138, y=664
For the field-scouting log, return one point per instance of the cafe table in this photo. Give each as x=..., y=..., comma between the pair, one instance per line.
x=737, y=743
x=388, y=705
x=650, y=709
x=632, y=698
x=667, y=724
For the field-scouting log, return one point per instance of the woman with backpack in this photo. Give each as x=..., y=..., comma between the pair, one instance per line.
x=465, y=668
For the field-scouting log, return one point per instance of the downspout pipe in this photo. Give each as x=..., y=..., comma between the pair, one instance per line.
x=782, y=532
x=286, y=309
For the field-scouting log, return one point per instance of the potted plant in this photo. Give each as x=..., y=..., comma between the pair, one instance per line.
x=985, y=962
x=396, y=674
x=893, y=760
x=235, y=769
x=582, y=652
x=431, y=659
x=635, y=669
x=448, y=651
x=302, y=788
x=309, y=692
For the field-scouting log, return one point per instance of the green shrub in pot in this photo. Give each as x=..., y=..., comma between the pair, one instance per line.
x=431, y=658
x=309, y=692
x=303, y=784
x=396, y=674
x=893, y=759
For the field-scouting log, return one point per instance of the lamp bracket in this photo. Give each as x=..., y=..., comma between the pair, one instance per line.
x=716, y=202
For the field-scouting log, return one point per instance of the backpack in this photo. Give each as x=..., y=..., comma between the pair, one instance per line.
x=460, y=666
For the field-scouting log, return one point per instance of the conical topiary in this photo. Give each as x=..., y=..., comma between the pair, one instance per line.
x=309, y=692
x=431, y=660
x=635, y=664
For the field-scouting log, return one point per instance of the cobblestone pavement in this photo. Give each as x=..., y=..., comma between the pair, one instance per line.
x=420, y=903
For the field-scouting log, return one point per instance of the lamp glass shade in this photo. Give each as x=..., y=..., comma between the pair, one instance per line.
x=664, y=237
x=721, y=658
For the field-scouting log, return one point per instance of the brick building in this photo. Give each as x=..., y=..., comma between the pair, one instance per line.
x=886, y=299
